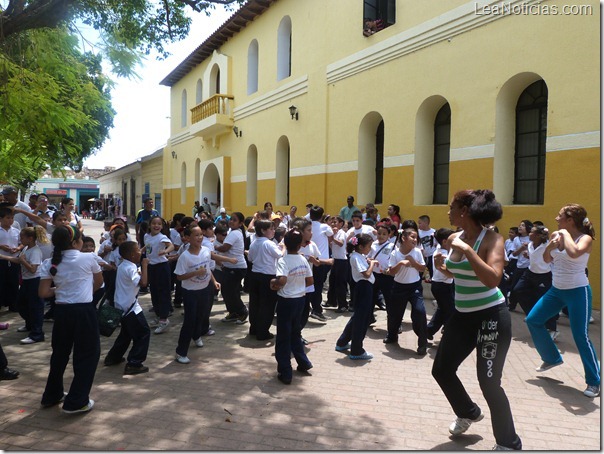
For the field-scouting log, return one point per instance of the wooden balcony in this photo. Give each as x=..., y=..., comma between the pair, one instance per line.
x=213, y=118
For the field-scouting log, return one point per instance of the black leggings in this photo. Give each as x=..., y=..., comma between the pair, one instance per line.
x=489, y=332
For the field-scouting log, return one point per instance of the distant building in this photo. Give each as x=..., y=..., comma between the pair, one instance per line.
x=83, y=191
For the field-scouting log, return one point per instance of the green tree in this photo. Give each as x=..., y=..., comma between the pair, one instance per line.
x=55, y=103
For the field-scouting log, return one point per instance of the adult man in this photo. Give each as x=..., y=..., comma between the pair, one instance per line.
x=206, y=206
x=195, y=209
x=10, y=197
x=146, y=213
x=222, y=216
x=346, y=212
x=33, y=200
x=42, y=206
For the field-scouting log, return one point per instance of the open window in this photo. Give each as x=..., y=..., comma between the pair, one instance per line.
x=378, y=15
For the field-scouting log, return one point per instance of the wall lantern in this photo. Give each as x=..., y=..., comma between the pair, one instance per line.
x=237, y=132
x=293, y=111
x=174, y=155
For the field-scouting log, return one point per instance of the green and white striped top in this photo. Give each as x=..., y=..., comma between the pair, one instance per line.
x=470, y=294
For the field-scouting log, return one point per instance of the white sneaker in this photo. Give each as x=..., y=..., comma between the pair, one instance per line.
x=198, y=343
x=22, y=329
x=28, y=340
x=162, y=327
x=501, y=448
x=547, y=366
x=84, y=409
x=460, y=425
x=182, y=359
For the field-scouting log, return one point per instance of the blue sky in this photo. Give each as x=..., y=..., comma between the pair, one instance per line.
x=142, y=123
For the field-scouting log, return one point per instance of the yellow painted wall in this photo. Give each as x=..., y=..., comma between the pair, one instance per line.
x=467, y=69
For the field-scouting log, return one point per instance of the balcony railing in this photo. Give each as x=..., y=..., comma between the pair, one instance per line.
x=217, y=104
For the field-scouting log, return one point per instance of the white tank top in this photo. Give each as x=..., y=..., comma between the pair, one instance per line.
x=567, y=272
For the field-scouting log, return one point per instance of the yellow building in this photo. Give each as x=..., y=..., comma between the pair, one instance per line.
x=129, y=185
x=422, y=100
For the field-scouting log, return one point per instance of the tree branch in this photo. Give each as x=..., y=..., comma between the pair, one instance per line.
x=38, y=14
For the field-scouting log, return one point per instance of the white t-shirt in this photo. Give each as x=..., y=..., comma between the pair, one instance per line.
x=439, y=276
x=339, y=252
x=73, y=280
x=384, y=249
x=537, y=264
x=175, y=238
x=264, y=254
x=126, y=287
x=11, y=239
x=34, y=257
x=310, y=250
x=189, y=262
x=358, y=264
x=320, y=235
x=523, y=262
x=428, y=242
x=114, y=257
x=235, y=239
x=365, y=229
x=206, y=242
x=153, y=245
x=296, y=268
x=406, y=274
x=20, y=218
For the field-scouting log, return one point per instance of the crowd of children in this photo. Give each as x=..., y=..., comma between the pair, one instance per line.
x=285, y=261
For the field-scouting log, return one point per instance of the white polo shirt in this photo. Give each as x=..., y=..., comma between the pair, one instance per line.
x=235, y=239
x=358, y=264
x=34, y=257
x=339, y=252
x=264, y=254
x=126, y=287
x=9, y=238
x=74, y=277
x=320, y=235
x=381, y=253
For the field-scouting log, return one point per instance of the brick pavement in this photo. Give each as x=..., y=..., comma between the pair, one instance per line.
x=228, y=398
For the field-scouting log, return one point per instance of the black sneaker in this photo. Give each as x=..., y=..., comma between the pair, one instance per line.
x=53, y=403
x=9, y=374
x=341, y=310
x=328, y=304
x=318, y=316
x=422, y=351
x=389, y=340
x=241, y=319
x=231, y=317
x=131, y=369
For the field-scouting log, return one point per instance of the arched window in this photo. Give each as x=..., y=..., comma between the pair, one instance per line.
x=284, y=48
x=215, y=80
x=379, y=163
x=282, y=172
x=529, y=155
x=370, y=183
x=198, y=92
x=430, y=136
x=252, y=175
x=252, y=67
x=183, y=184
x=183, y=109
x=442, y=146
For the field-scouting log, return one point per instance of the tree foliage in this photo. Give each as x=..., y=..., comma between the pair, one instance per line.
x=55, y=103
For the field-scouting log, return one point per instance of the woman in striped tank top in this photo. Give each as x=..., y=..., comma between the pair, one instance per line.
x=480, y=321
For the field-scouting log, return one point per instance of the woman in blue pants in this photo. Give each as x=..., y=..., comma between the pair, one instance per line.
x=569, y=250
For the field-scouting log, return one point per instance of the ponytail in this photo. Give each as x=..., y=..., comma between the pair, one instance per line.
x=62, y=240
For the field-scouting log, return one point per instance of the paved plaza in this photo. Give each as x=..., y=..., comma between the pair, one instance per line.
x=229, y=398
